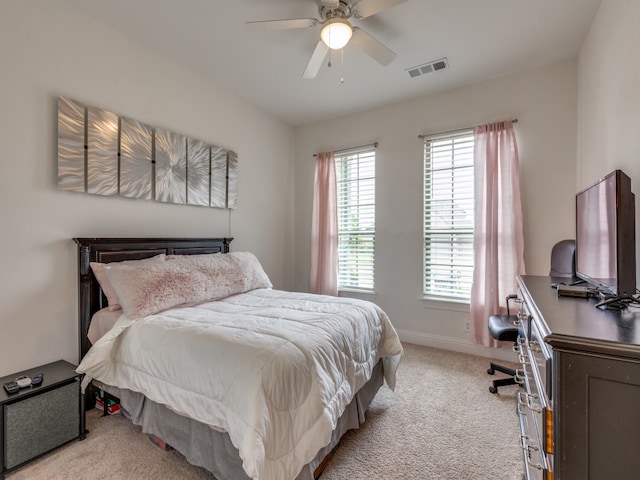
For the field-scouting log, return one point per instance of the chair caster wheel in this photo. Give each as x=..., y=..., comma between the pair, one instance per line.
x=493, y=389
x=491, y=371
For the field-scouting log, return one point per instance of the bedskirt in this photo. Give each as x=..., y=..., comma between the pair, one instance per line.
x=211, y=449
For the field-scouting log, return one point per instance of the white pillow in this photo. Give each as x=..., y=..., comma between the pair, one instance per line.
x=107, y=289
x=151, y=288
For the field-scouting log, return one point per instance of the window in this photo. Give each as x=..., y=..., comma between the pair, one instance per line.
x=356, y=182
x=448, y=216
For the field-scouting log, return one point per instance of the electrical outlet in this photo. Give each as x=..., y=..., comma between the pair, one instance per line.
x=467, y=325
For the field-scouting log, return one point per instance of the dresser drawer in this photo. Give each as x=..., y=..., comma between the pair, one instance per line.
x=532, y=417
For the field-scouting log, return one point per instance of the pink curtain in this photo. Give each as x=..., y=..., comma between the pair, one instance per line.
x=498, y=239
x=324, y=228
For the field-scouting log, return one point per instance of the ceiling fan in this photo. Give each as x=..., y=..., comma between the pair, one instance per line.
x=337, y=31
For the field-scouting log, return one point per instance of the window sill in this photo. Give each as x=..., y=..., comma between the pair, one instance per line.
x=442, y=304
x=354, y=293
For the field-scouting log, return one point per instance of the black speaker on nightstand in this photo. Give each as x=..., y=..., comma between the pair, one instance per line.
x=37, y=419
x=40, y=423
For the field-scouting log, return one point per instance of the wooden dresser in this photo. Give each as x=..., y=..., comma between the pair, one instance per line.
x=580, y=366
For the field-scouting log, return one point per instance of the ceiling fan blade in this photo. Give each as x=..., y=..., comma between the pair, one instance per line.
x=284, y=24
x=330, y=3
x=366, y=8
x=315, y=62
x=372, y=47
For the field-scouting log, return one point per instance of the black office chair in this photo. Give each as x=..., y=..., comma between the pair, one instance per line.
x=563, y=259
x=507, y=327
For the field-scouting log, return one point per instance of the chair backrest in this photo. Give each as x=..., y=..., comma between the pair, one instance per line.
x=563, y=259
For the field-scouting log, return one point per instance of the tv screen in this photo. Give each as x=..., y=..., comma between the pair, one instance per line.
x=605, y=235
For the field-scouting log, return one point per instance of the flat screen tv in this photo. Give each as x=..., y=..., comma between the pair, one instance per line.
x=606, y=236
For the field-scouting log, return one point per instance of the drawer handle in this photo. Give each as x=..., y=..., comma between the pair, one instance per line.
x=527, y=401
x=521, y=319
x=519, y=377
x=522, y=401
x=530, y=399
x=528, y=449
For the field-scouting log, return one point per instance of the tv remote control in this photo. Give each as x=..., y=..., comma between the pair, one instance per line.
x=11, y=387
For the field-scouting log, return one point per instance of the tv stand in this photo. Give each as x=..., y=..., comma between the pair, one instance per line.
x=581, y=367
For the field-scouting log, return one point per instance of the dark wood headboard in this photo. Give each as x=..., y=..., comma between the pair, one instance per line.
x=106, y=250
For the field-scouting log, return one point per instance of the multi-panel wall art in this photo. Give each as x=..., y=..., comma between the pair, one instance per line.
x=102, y=153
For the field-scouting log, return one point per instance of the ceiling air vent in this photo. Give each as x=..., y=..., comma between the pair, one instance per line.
x=428, y=67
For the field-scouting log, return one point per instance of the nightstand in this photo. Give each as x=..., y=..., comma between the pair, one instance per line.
x=38, y=419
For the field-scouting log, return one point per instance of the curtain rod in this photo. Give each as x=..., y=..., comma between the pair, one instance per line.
x=361, y=147
x=423, y=136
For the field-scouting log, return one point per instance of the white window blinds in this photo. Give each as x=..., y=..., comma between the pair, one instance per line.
x=448, y=216
x=355, y=177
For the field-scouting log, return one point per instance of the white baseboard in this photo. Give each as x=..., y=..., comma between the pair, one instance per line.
x=457, y=345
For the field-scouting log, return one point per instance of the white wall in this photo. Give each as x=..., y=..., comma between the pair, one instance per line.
x=544, y=102
x=48, y=49
x=609, y=99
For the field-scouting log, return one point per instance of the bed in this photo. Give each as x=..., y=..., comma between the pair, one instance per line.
x=243, y=380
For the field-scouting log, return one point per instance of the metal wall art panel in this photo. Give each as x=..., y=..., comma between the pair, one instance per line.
x=171, y=167
x=70, y=145
x=232, y=179
x=136, y=155
x=218, y=177
x=102, y=153
x=198, y=175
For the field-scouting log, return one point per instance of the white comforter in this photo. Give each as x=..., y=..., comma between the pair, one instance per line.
x=274, y=369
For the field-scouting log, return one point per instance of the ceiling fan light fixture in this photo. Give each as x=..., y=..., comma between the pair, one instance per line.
x=336, y=33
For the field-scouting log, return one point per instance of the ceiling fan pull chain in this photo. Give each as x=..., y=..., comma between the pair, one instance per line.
x=342, y=65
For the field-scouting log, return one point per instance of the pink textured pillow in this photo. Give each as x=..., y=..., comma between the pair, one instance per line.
x=184, y=279
x=109, y=292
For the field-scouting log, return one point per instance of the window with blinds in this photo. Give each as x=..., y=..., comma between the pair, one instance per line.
x=448, y=216
x=356, y=182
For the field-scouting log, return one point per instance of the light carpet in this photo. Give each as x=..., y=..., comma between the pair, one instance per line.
x=441, y=423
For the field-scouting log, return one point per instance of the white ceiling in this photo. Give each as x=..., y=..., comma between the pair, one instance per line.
x=482, y=39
